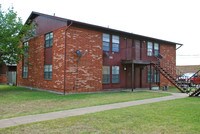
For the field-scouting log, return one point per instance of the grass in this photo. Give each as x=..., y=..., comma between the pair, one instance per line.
x=179, y=116
x=17, y=101
x=173, y=90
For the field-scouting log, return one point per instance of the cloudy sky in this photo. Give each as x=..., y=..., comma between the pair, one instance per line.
x=172, y=20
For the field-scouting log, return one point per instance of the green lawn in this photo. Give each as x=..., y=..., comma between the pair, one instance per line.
x=16, y=101
x=173, y=90
x=179, y=116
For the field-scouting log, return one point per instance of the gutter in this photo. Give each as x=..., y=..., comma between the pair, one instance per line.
x=65, y=57
x=180, y=45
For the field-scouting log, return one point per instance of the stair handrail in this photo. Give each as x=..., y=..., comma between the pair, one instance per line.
x=168, y=66
x=169, y=77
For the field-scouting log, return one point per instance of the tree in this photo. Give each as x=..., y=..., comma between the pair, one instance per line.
x=12, y=32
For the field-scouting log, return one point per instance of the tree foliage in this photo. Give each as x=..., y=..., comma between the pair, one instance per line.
x=12, y=32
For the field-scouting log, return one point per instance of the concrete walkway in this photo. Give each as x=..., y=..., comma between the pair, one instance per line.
x=81, y=111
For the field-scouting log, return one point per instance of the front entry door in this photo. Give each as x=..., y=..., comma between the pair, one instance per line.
x=128, y=76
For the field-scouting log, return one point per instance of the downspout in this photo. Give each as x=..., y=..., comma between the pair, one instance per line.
x=65, y=57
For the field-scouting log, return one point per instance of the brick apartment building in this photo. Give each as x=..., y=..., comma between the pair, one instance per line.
x=71, y=56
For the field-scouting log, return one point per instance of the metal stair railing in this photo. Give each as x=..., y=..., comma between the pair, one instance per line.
x=169, y=77
x=168, y=71
x=196, y=85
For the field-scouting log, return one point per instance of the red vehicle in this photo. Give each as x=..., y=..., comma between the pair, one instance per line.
x=195, y=80
x=190, y=79
x=185, y=79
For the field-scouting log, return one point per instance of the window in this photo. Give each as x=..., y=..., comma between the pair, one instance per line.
x=25, y=72
x=106, y=74
x=115, y=74
x=106, y=42
x=156, y=76
x=49, y=39
x=25, y=61
x=48, y=72
x=153, y=76
x=149, y=48
x=149, y=78
x=25, y=47
x=156, y=49
x=115, y=43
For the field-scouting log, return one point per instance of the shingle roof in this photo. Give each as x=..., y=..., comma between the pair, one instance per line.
x=100, y=28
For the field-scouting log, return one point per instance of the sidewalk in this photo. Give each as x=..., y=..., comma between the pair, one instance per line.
x=81, y=111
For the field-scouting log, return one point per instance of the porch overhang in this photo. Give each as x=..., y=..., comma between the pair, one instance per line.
x=139, y=62
x=133, y=64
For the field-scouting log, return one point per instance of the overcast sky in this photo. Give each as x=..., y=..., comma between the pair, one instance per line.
x=172, y=20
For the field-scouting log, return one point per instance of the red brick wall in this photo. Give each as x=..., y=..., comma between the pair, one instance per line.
x=169, y=59
x=36, y=64
x=85, y=74
x=82, y=76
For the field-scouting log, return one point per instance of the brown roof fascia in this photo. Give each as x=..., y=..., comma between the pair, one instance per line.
x=102, y=29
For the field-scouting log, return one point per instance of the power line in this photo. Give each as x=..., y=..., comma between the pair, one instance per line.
x=189, y=55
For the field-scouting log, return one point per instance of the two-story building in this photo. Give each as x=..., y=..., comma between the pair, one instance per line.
x=71, y=56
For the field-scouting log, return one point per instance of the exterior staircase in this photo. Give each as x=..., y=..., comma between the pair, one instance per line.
x=170, y=73
x=196, y=81
x=169, y=77
x=195, y=93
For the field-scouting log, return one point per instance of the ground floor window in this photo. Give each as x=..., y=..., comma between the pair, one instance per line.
x=115, y=74
x=149, y=76
x=106, y=74
x=25, y=72
x=48, y=72
x=156, y=76
x=153, y=75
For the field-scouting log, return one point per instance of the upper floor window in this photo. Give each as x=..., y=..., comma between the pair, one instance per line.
x=25, y=61
x=106, y=42
x=48, y=39
x=106, y=74
x=149, y=49
x=48, y=72
x=115, y=74
x=156, y=49
x=26, y=46
x=115, y=43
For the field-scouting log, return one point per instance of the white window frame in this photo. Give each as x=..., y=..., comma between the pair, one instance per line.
x=149, y=48
x=156, y=49
x=106, y=75
x=48, y=72
x=49, y=40
x=106, y=42
x=115, y=43
x=115, y=74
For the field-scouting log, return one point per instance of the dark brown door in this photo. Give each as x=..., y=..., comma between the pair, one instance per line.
x=128, y=76
x=137, y=77
x=137, y=50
